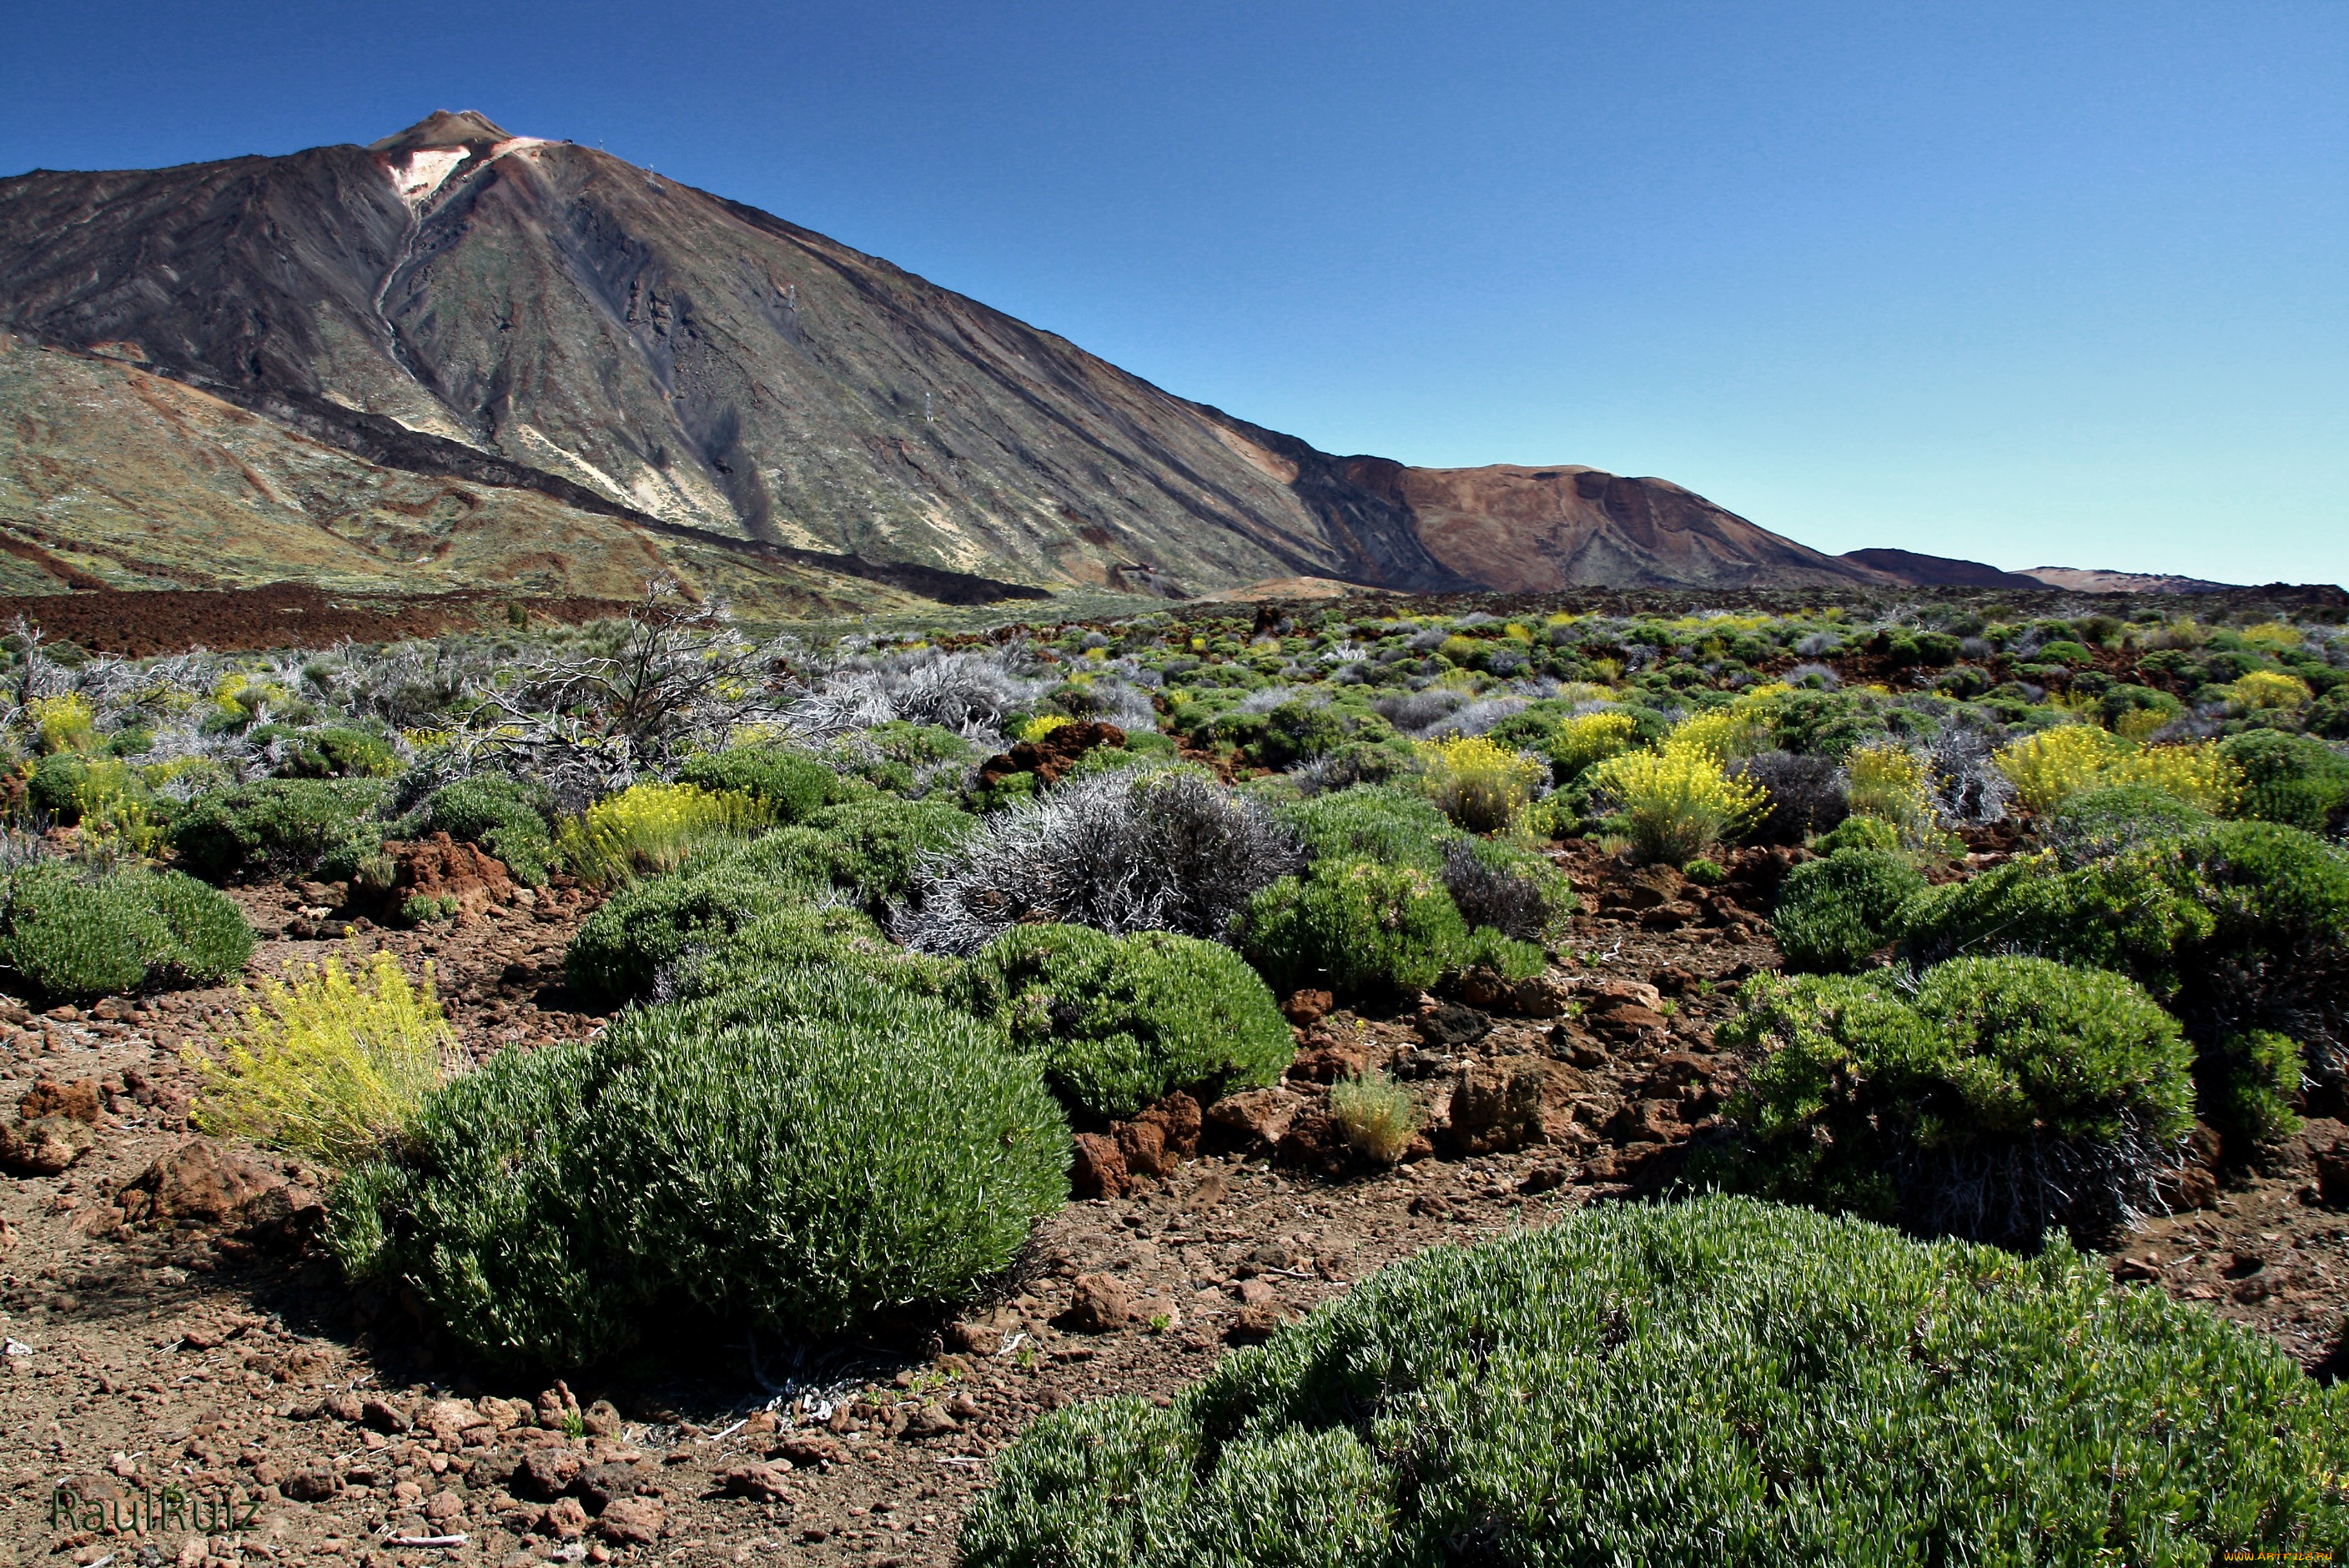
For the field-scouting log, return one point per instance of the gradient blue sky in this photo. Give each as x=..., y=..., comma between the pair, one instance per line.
x=2039, y=284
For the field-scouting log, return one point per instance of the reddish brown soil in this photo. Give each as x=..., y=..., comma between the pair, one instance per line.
x=283, y=614
x=231, y=1355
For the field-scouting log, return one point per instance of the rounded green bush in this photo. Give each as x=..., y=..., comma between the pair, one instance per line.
x=870, y=847
x=2007, y=1095
x=2295, y=779
x=800, y=1156
x=1858, y=832
x=1833, y=912
x=824, y=936
x=68, y=935
x=1122, y=1022
x=2097, y=824
x=618, y=950
x=504, y=816
x=286, y=824
x=1377, y=822
x=793, y=784
x=1358, y=925
x=1710, y=1382
x=2241, y=927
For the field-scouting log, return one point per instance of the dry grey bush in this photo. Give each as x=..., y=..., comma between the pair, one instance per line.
x=1135, y=850
x=969, y=693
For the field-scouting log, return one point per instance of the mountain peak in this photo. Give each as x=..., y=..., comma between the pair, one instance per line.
x=443, y=128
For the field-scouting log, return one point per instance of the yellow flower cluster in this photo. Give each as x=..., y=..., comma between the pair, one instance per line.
x=1479, y=784
x=329, y=1065
x=651, y=828
x=2054, y=764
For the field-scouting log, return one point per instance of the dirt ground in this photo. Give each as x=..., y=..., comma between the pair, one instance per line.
x=169, y=1322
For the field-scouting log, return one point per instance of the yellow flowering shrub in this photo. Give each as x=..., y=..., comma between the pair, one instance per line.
x=63, y=723
x=1477, y=783
x=1590, y=738
x=2270, y=688
x=1042, y=724
x=651, y=828
x=1887, y=783
x=2049, y=768
x=1723, y=734
x=1677, y=802
x=330, y=1065
x=2052, y=766
x=2274, y=637
x=2199, y=774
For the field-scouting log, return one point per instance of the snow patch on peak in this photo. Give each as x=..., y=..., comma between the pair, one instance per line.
x=421, y=173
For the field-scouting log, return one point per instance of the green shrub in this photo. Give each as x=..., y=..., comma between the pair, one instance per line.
x=792, y=784
x=2295, y=779
x=2009, y=1094
x=619, y=951
x=276, y=824
x=1120, y=1022
x=1716, y=1381
x=1361, y=926
x=870, y=847
x=336, y=751
x=68, y=935
x=2097, y=824
x=1376, y=822
x=1873, y=834
x=2239, y=928
x=819, y=935
x=1833, y=912
x=800, y=1157
x=505, y=817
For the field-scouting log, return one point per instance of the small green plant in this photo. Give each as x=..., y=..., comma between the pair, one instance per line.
x=651, y=828
x=1833, y=912
x=1120, y=1022
x=791, y=784
x=330, y=1064
x=66, y=933
x=2007, y=1095
x=2295, y=779
x=275, y=824
x=1377, y=822
x=1377, y=1114
x=1699, y=1382
x=1704, y=872
x=1358, y=925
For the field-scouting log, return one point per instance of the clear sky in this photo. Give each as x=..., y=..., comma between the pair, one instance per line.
x=2037, y=284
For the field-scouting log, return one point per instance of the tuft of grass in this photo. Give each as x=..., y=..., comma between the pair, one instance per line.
x=1377, y=1114
x=329, y=1064
x=652, y=828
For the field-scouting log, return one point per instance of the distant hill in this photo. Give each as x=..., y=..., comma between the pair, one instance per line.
x=1937, y=570
x=495, y=359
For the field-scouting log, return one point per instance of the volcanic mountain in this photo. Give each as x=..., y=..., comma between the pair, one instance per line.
x=511, y=359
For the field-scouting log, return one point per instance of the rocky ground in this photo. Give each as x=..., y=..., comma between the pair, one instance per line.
x=168, y=1320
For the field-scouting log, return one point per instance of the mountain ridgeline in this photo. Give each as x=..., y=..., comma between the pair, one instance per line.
x=587, y=365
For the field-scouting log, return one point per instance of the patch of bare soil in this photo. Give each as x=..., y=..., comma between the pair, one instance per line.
x=170, y=1319
x=283, y=614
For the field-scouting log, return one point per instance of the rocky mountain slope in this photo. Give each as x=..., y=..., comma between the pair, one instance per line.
x=526, y=315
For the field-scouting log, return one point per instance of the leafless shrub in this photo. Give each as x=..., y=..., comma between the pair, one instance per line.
x=969, y=693
x=1127, y=851
x=1509, y=902
x=1807, y=795
x=1415, y=713
x=1966, y=788
x=2012, y=1194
